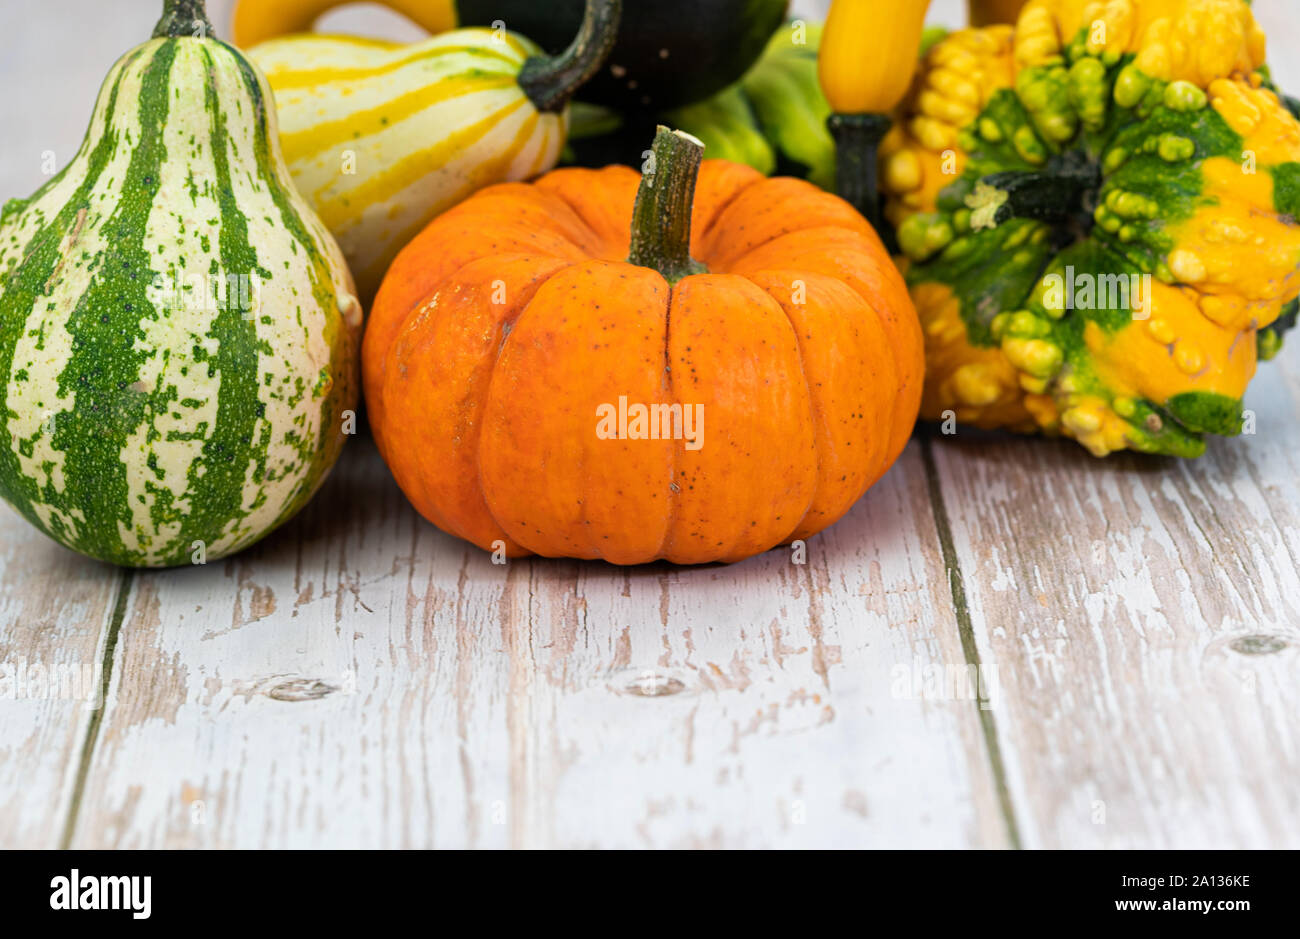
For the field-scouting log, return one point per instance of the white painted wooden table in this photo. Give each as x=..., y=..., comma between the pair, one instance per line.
x=361, y=679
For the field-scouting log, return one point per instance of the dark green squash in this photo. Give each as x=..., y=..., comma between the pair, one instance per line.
x=773, y=119
x=669, y=52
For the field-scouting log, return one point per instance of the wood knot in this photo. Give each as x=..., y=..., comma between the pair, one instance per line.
x=650, y=683
x=1257, y=644
x=301, y=689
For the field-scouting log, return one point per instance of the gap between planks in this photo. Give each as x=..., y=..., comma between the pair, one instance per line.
x=125, y=578
x=966, y=630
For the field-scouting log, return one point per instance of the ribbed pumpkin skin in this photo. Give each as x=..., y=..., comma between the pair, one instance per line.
x=1197, y=166
x=501, y=329
x=381, y=137
x=134, y=425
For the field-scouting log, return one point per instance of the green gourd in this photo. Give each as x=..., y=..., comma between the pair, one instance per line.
x=178, y=331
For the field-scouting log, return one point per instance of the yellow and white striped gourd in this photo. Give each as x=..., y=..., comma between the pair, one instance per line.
x=381, y=137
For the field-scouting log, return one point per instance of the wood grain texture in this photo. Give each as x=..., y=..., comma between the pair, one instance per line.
x=443, y=700
x=55, y=609
x=1117, y=599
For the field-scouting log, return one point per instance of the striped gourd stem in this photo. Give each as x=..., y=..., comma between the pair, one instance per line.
x=550, y=81
x=183, y=18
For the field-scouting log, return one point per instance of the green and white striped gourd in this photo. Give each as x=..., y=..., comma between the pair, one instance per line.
x=381, y=137
x=178, y=331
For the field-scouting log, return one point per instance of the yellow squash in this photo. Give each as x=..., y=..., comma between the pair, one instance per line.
x=865, y=65
x=868, y=53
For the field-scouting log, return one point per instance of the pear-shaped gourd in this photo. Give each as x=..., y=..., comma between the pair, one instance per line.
x=178, y=331
x=382, y=137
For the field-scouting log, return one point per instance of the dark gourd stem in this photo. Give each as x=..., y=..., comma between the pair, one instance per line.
x=183, y=18
x=550, y=81
x=857, y=138
x=661, y=218
x=1062, y=191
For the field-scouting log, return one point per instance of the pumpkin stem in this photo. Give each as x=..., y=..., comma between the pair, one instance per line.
x=857, y=138
x=661, y=217
x=550, y=81
x=183, y=18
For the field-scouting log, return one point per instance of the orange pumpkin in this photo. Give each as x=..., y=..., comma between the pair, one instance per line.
x=507, y=336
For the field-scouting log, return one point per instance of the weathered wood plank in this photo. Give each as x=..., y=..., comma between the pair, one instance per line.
x=1110, y=594
x=1117, y=599
x=489, y=705
x=256, y=700
x=787, y=730
x=55, y=608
